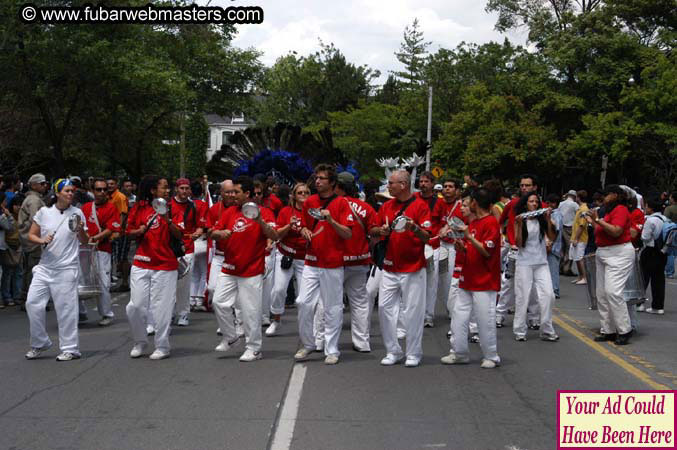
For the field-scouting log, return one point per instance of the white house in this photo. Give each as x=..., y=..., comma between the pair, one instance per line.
x=222, y=128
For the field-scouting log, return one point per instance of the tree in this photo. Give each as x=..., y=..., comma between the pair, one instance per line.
x=412, y=56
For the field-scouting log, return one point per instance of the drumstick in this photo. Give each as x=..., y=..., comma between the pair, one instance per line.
x=53, y=233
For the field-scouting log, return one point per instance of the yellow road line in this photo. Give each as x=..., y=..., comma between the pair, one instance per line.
x=608, y=354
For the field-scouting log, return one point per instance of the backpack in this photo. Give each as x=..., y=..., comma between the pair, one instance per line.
x=667, y=241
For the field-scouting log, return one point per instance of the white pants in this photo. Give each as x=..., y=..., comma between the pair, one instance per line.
x=198, y=280
x=182, y=307
x=446, y=273
x=506, y=299
x=355, y=288
x=451, y=301
x=246, y=292
x=281, y=282
x=214, y=272
x=410, y=289
x=432, y=278
x=268, y=282
x=483, y=303
x=326, y=285
x=528, y=279
x=152, y=294
x=62, y=287
x=614, y=264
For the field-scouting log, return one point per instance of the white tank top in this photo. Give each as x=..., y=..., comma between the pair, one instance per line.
x=533, y=252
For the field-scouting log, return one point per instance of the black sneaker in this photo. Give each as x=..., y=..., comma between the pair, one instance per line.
x=603, y=337
x=623, y=339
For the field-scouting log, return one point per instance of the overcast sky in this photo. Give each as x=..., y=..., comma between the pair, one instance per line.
x=366, y=31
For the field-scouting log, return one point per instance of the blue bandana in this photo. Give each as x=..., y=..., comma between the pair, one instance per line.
x=61, y=183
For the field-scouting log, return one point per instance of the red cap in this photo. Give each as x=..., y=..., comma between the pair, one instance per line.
x=182, y=181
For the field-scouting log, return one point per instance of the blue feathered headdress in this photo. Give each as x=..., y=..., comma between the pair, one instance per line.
x=288, y=167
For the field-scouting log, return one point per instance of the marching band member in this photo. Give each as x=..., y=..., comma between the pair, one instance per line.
x=323, y=271
x=269, y=274
x=614, y=259
x=154, y=272
x=56, y=275
x=404, y=272
x=241, y=277
x=480, y=280
x=290, y=255
x=198, y=281
x=356, y=262
x=191, y=221
x=103, y=225
x=531, y=268
x=432, y=248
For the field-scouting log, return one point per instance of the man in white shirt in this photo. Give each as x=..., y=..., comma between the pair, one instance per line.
x=568, y=210
x=652, y=260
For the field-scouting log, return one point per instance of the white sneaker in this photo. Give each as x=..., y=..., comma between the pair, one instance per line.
x=302, y=354
x=428, y=323
x=265, y=321
x=641, y=307
x=488, y=364
x=250, y=355
x=218, y=332
x=500, y=320
x=401, y=334
x=105, y=321
x=520, y=338
x=182, y=321
x=239, y=330
x=159, y=354
x=391, y=359
x=331, y=360
x=68, y=356
x=451, y=358
x=655, y=311
x=137, y=350
x=412, y=361
x=223, y=346
x=272, y=328
x=150, y=330
x=35, y=352
x=319, y=346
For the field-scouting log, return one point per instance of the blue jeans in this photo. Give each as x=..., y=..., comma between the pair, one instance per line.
x=12, y=279
x=553, y=264
x=670, y=266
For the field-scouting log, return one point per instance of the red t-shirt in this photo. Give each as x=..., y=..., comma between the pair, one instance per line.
x=433, y=201
x=637, y=223
x=509, y=215
x=153, y=251
x=195, y=219
x=619, y=216
x=326, y=247
x=480, y=273
x=357, y=247
x=405, y=250
x=245, y=248
x=293, y=244
x=109, y=219
x=213, y=216
x=273, y=203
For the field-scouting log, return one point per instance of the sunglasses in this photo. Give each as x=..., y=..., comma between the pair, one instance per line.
x=257, y=194
x=100, y=189
x=302, y=192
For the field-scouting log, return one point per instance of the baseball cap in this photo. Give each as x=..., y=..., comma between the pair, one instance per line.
x=572, y=193
x=438, y=187
x=345, y=178
x=37, y=178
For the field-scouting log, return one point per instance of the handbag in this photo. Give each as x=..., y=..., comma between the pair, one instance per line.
x=286, y=262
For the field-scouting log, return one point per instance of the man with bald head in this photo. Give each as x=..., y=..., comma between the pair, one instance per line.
x=404, y=273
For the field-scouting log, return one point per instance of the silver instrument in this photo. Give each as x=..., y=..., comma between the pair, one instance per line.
x=316, y=213
x=510, y=264
x=399, y=224
x=89, y=283
x=74, y=222
x=456, y=225
x=160, y=206
x=184, y=267
x=532, y=214
x=251, y=210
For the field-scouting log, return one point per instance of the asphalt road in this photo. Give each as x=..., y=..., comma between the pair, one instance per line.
x=200, y=399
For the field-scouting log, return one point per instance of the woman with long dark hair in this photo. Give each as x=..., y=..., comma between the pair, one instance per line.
x=154, y=272
x=614, y=260
x=531, y=267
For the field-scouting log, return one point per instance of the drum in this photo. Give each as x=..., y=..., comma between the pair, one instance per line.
x=89, y=284
x=634, y=288
x=399, y=224
x=591, y=277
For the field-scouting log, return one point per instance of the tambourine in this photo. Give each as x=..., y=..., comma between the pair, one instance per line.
x=456, y=225
x=74, y=222
x=399, y=224
x=250, y=210
x=316, y=213
x=532, y=214
x=160, y=206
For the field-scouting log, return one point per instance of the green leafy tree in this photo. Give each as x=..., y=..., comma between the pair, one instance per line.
x=413, y=50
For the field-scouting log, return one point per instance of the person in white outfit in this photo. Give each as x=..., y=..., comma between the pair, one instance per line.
x=271, y=253
x=531, y=268
x=290, y=255
x=56, y=275
x=404, y=269
x=152, y=280
x=103, y=225
x=241, y=278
